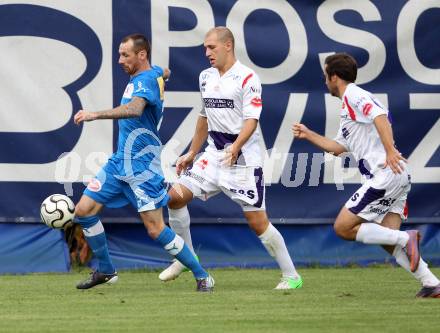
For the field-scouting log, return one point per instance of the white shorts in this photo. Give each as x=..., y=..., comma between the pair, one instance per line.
x=385, y=193
x=207, y=177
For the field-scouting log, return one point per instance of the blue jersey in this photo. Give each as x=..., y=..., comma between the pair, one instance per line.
x=133, y=174
x=136, y=134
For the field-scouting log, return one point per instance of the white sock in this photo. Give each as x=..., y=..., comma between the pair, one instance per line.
x=273, y=241
x=373, y=233
x=422, y=274
x=179, y=221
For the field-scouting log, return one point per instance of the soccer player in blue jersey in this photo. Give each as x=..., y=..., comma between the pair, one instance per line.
x=133, y=174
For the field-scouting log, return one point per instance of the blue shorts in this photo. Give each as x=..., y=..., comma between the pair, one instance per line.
x=120, y=182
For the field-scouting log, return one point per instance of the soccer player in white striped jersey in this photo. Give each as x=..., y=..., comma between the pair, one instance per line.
x=232, y=163
x=374, y=213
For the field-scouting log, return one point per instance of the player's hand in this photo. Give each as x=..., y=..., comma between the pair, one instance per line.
x=83, y=115
x=393, y=161
x=166, y=74
x=300, y=131
x=184, y=161
x=231, y=156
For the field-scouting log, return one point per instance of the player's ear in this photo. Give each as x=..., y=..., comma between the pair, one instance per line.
x=142, y=54
x=228, y=45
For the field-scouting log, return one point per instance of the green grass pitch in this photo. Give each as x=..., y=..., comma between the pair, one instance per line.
x=374, y=299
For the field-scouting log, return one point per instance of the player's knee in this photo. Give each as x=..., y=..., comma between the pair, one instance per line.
x=257, y=221
x=344, y=231
x=87, y=207
x=179, y=196
x=153, y=230
x=175, y=204
x=153, y=233
x=340, y=229
x=258, y=229
x=153, y=225
x=258, y=226
x=82, y=210
x=176, y=201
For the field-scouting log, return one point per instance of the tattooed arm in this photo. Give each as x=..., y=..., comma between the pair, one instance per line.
x=132, y=109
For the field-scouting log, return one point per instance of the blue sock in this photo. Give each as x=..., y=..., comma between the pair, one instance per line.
x=175, y=246
x=95, y=236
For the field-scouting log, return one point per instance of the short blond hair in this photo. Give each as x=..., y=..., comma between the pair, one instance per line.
x=223, y=34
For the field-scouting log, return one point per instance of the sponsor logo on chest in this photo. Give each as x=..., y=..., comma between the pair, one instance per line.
x=218, y=103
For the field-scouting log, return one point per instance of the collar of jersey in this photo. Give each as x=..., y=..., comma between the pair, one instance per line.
x=236, y=63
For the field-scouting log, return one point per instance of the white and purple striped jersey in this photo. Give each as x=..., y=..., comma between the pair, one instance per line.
x=227, y=101
x=357, y=132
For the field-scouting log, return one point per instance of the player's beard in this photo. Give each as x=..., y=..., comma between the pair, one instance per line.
x=129, y=70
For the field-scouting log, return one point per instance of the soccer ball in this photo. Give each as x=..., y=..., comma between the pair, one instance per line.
x=57, y=211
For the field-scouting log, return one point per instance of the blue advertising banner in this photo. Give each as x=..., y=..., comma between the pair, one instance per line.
x=62, y=56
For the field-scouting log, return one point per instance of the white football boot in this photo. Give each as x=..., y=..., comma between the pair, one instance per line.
x=289, y=283
x=172, y=271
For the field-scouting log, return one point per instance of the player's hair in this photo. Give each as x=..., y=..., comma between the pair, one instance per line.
x=223, y=34
x=140, y=42
x=343, y=65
